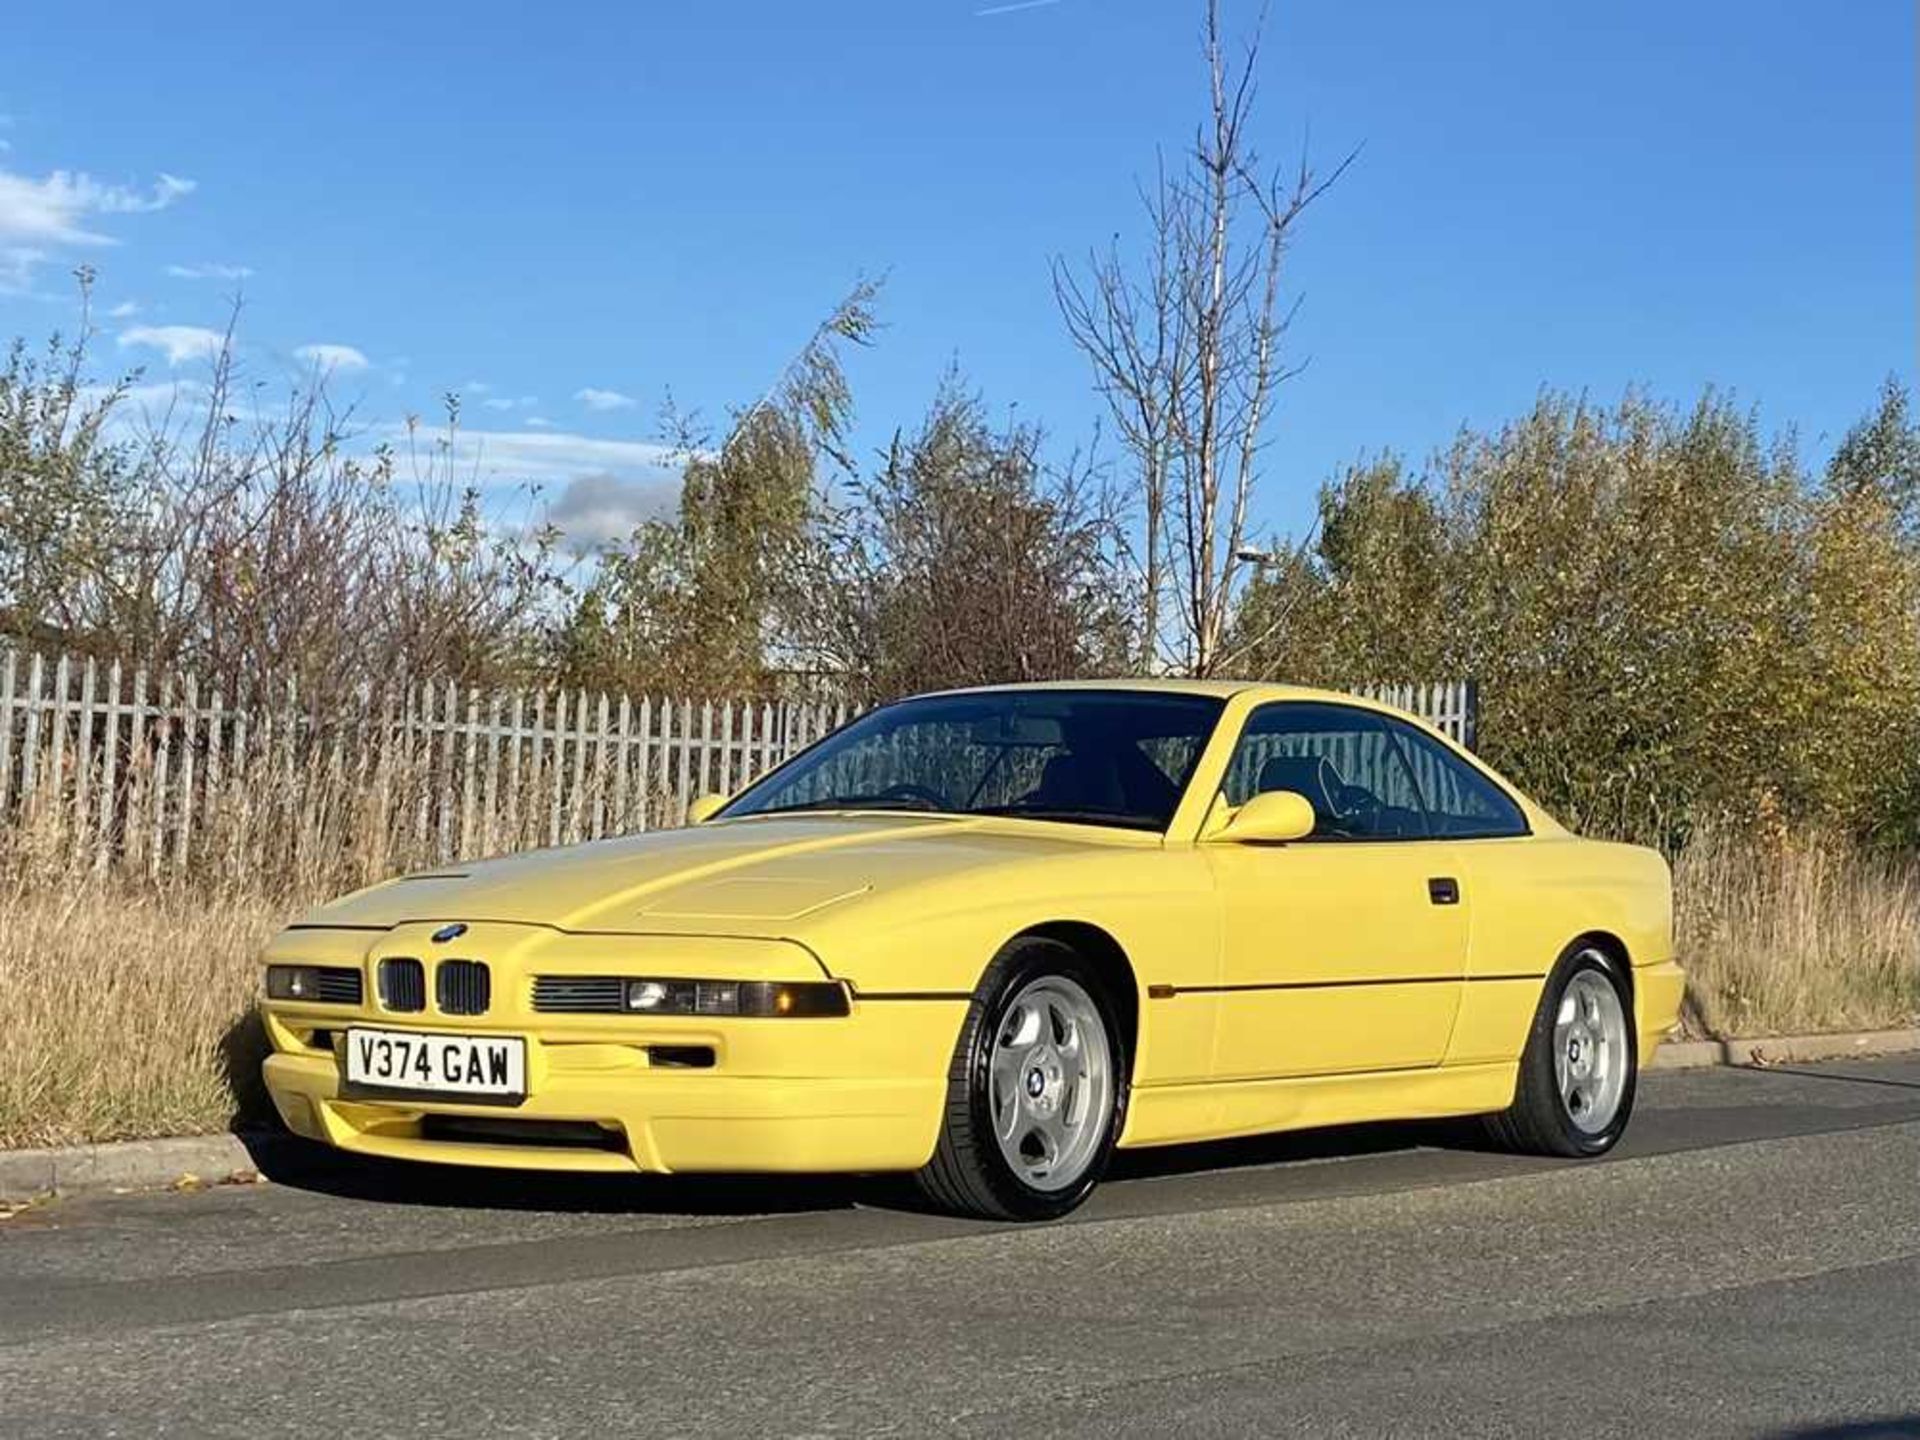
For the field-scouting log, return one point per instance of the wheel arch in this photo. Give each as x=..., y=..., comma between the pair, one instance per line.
x=1109, y=960
x=1608, y=944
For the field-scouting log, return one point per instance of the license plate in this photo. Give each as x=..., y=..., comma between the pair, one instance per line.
x=493, y=1066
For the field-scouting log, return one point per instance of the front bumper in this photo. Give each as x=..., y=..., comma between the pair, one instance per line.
x=1657, y=991
x=652, y=1120
x=863, y=1091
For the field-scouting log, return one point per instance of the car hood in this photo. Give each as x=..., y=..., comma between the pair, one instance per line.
x=751, y=876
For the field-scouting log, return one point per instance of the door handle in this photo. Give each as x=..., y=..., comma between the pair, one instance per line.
x=1443, y=890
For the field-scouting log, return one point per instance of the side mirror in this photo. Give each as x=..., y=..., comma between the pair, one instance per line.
x=703, y=807
x=1269, y=818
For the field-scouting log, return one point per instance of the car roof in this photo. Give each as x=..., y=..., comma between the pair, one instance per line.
x=1176, y=685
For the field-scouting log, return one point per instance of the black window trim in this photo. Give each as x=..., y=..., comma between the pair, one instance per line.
x=1392, y=725
x=1426, y=819
x=1395, y=725
x=1111, y=692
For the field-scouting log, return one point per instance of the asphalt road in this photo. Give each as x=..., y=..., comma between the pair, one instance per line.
x=1748, y=1263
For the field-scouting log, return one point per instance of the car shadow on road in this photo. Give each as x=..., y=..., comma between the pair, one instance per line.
x=304, y=1165
x=1341, y=1142
x=1885, y=1427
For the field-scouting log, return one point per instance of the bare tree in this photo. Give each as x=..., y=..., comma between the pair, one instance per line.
x=964, y=559
x=244, y=533
x=1185, y=344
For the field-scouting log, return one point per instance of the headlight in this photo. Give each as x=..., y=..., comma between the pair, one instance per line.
x=327, y=984
x=735, y=997
x=293, y=982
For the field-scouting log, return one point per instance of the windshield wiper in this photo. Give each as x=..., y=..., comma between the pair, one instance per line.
x=855, y=802
x=1130, y=820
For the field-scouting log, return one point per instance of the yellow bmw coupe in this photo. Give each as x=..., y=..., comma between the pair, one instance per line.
x=988, y=936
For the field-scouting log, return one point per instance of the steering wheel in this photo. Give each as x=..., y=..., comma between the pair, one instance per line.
x=1352, y=805
x=907, y=790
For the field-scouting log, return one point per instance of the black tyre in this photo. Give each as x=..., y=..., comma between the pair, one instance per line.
x=1580, y=1066
x=1036, y=1092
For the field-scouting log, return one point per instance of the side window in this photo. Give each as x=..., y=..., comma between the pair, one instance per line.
x=1460, y=801
x=1343, y=760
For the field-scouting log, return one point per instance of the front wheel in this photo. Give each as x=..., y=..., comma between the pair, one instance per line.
x=1035, y=1093
x=1578, y=1072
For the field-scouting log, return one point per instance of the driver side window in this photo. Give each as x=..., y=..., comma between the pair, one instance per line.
x=1344, y=761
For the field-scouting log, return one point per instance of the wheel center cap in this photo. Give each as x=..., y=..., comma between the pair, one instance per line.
x=1036, y=1083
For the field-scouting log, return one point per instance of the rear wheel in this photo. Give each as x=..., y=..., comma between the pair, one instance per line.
x=1036, y=1090
x=1578, y=1072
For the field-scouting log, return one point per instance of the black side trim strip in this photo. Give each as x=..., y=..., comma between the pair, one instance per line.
x=1159, y=992
x=1302, y=1075
x=913, y=995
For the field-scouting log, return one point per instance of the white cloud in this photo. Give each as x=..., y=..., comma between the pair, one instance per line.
x=332, y=357
x=596, y=510
x=209, y=272
x=539, y=422
x=124, y=309
x=511, y=402
x=161, y=398
x=604, y=399
x=157, y=406
x=17, y=264
x=180, y=343
x=55, y=211
x=119, y=200
x=545, y=456
x=39, y=216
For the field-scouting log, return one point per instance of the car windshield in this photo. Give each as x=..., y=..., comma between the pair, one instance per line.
x=1094, y=757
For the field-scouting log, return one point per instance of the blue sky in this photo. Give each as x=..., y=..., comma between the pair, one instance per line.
x=576, y=206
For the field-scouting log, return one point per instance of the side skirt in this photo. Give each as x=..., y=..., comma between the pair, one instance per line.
x=1178, y=1114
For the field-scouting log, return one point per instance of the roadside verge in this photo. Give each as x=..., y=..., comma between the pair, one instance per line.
x=1763, y=1050
x=184, y=1161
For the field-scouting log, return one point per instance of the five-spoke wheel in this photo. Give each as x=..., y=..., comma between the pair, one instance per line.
x=1036, y=1090
x=1577, y=1073
x=1050, y=1082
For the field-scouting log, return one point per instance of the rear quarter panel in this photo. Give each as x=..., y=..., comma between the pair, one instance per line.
x=1529, y=898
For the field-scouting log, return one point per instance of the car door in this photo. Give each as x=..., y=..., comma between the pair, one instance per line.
x=1345, y=951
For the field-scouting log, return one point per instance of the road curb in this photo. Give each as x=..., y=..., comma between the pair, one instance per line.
x=127, y=1164
x=1763, y=1050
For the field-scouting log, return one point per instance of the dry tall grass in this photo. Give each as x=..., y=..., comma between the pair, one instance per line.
x=125, y=1012
x=1791, y=935
x=125, y=1015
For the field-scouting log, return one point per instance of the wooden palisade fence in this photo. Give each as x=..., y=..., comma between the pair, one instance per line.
x=106, y=766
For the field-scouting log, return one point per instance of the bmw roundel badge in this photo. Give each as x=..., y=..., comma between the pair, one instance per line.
x=449, y=932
